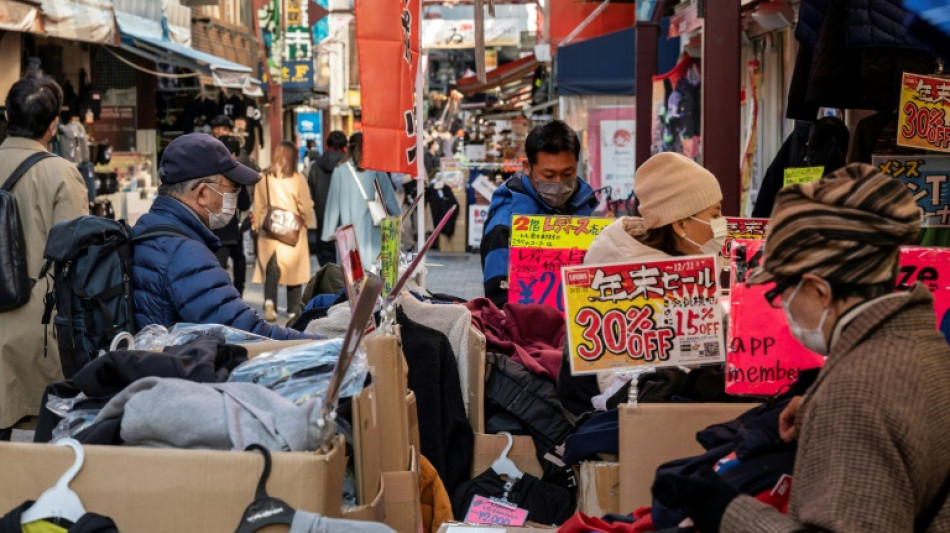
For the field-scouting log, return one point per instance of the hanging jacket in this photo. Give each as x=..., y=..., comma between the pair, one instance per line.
x=435, y=502
x=518, y=197
x=790, y=155
x=446, y=438
x=178, y=279
x=531, y=334
x=440, y=200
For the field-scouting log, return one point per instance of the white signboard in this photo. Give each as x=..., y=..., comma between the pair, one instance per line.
x=457, y=34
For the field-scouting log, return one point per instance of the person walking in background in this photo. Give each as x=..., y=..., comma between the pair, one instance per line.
x=351, y=189
x=51, y=191
x=232, y=245
x=282, y=192
x=318, y=180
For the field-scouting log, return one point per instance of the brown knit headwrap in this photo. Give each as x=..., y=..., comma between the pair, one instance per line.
x=846, y=228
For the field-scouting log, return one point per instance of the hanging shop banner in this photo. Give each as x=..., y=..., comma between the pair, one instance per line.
x=269, y=26
x=297, y=74
x=657, y=313
x=611, y=132
x=744, y=229
x=799, y=176
x=80, y=20
x=387, y=39
x=764, y=358
x=763, y=355
x=457, y=34
x=117, y=124
x=477, y=215
x=310, y=128
x=392, y=235
x=677, y=110
x=928, y=179
x=540, y=246
x=923, y=121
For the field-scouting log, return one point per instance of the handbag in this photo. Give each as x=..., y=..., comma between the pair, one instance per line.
x=280, y=224
x=376, y=208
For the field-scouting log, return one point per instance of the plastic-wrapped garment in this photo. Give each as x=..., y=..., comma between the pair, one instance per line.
x=156, y=337
x=74, y=422
x=303, y=372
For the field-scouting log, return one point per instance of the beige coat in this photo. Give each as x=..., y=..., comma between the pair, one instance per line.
x=874, y=430
x=292, y=194
x=52, y=191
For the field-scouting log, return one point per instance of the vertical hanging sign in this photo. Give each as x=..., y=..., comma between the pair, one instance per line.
x=387, y=41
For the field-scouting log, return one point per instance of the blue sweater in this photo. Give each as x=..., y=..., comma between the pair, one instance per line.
x=518, y=197
x=178, y=279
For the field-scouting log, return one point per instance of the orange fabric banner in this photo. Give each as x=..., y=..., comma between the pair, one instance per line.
x=387, y=41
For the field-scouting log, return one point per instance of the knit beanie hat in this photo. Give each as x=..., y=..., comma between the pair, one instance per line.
x=847, y=227
x=671, y=187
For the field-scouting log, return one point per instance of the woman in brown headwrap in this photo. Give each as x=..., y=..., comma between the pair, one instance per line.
x=874, y=429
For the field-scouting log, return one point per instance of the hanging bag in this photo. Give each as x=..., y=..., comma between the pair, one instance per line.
x=376, y=208
x=280, y=224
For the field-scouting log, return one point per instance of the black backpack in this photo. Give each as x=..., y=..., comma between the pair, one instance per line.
x=15, y=282
x=92, y=285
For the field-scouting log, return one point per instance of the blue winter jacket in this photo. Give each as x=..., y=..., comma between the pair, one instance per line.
x=179, y=280
x=518, y=197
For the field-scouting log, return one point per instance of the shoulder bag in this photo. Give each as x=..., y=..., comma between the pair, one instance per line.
x=376, y=208
x=280, y=224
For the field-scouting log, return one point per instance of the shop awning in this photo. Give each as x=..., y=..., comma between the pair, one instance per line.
x=80, y=20
x=517, y=71
x=20, y=15
x=224, y=73
x=602, y=65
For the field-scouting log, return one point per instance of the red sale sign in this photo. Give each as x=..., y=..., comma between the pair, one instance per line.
x=655, y=313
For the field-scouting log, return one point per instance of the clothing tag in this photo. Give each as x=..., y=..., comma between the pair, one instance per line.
x=493, y=512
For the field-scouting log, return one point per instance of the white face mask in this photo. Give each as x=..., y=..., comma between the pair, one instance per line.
x=720, y=228
x=228, y=209
x=813, y=339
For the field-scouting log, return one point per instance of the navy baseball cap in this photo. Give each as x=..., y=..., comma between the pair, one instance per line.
x=198, y=155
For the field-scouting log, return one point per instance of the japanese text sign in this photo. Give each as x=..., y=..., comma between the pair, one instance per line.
x=764, y=358
x=763, y=355
x=744, y=228
x=795, y=176
x=391, y=228
x=490, y=511
x=540, y=246
x=922, y=121
x=928, y=179
x=657, y=313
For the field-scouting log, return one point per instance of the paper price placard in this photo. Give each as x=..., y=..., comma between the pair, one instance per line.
x=795, y=176
x=922, y=121
x=656, y=313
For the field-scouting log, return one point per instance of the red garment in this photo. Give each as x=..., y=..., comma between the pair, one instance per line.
x=530, y=334
x=581, y=523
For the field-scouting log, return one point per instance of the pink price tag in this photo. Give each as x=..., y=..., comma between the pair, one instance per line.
x=493, y=512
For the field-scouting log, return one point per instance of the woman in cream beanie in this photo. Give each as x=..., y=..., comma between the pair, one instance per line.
x=680, y=214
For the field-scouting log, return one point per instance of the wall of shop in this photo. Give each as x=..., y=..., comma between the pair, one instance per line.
x=9, y=69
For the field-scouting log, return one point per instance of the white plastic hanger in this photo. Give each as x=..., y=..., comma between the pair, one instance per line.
x=503, y=466
x=59, y=501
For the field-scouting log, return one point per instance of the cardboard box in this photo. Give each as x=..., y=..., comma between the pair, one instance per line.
x=655, y=433
x=156, y=489
x=599, y=488
x=255, y=349
x=397, y=504
x=385, y=356
x=413, y=421
x=489, y=447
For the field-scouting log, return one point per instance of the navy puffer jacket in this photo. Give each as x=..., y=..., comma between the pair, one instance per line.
x=180, y=280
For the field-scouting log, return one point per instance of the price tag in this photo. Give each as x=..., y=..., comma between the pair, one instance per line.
x=494, y=512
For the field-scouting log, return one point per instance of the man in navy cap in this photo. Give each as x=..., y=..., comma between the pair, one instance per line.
x=178, y=278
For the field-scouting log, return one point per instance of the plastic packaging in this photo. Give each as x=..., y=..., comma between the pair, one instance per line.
x=301, y=373
x=74, y=422
x=155, y=337
x=62, y=406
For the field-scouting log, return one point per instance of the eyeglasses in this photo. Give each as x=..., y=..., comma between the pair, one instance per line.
x=774, y=296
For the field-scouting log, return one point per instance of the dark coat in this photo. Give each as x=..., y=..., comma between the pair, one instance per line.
x=178, y=279
x=318, y=180
x=446, y=438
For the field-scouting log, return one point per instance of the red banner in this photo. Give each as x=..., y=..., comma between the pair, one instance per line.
x=387, y=40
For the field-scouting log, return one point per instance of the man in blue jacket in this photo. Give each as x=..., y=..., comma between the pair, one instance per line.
x=178, y=278
x=548, y=185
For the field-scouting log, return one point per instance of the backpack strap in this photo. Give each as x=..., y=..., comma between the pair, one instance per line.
x=23, y=167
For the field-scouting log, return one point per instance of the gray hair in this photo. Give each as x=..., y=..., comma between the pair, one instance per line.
x=178, y=190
